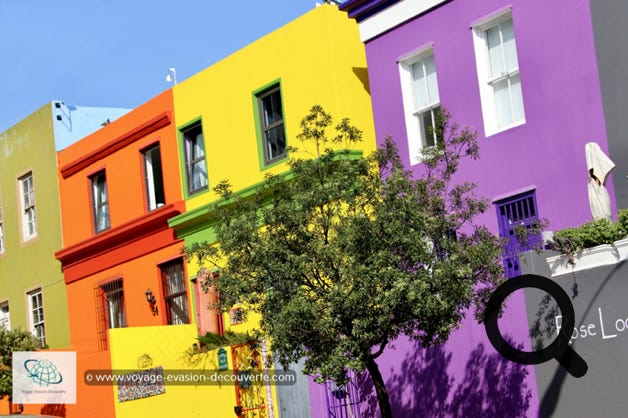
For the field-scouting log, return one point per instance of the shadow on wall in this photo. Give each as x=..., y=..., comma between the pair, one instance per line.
x=363, y=76
x=492, y=387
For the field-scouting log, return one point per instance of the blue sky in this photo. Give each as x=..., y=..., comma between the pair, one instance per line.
x=116, y=53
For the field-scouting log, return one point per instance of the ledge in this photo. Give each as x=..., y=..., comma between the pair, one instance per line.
x=119, y=244
x=201, y=217
x=601, y=255
x=148, y=127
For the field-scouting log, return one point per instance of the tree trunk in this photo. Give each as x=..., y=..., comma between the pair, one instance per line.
x=380, y=389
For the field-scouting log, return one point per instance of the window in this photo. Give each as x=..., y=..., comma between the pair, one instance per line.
x=29, y=218
x=344, y=400
x=498, y=74
x=515, y=212
x=154, y=178
x=110, y=309
x=1, y=233
x=196, y=167
x=36, y=309
x=113, y=298
x=236, y=316
x=421, y=102
x=271, y=125
x=5, y=320
x=175, y=293
x=100, y=202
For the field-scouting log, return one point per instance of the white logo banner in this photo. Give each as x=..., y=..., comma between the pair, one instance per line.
x=44, y=377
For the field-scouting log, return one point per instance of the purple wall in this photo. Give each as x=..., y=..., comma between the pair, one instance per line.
x=463, y=378
x=561, y=96
x=563, y=111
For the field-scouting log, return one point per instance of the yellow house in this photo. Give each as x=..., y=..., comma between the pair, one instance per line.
x=236, y=117
x=236, y=120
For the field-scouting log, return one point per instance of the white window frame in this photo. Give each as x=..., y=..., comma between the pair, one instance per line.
x=485, y=79
x=416, y=139
x=113, y=299
x=5, y=317
x=100, y=207
x=2, y=245
x=27, y=201
x=155, y=193
x=36, y=315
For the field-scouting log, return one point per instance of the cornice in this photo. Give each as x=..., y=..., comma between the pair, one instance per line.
x=201, y=217
x=109, y=240
x=148, y=127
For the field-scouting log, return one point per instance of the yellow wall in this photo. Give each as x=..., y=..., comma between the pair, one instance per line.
x=318, y=59
x=166, y=346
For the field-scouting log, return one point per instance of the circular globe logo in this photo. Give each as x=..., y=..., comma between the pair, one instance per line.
x=43, y=372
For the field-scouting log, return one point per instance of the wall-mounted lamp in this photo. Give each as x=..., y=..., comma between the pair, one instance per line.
x=238, y=410
x=152, y=302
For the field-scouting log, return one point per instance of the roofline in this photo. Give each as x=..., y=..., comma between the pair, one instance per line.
x=362, y=9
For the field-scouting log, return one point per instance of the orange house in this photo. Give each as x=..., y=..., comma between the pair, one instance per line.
x=122, y=264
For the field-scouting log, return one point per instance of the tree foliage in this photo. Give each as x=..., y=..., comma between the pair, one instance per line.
x=10, y=341
x=343, y=255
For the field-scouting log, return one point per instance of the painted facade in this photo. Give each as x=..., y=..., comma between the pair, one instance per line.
x=118, y=187
x=32, y=291
x=315, y=59
x=533, y=94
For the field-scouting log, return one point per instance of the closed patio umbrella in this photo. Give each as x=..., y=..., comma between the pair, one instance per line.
x=598, y=166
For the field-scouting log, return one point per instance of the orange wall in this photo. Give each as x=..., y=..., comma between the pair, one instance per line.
x=134, y=245
x=137, y=275
x=124, y=168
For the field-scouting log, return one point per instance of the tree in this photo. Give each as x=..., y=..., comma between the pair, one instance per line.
x=343, y=254
x=10, y=341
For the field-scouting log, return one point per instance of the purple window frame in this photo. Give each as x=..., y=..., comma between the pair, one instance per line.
x=520, y=209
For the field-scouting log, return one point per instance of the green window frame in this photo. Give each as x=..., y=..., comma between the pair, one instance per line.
x=195, y=158
x=271, y=127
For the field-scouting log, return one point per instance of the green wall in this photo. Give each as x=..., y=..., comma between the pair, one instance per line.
x=24, y=266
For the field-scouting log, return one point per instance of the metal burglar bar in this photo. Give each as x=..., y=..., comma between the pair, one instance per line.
x=343, y=401
x=101, y=316
x=519, y=210
x=114, y=304
x=175, y=294
x=110, y=309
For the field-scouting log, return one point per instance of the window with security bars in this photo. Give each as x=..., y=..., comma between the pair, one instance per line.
x=36, y=311
x=343, y=401
x=175, y=292
x=29, y=217
x=111, y=309
x=517, y=212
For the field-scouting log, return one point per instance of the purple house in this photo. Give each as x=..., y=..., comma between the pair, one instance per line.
x=537, y=80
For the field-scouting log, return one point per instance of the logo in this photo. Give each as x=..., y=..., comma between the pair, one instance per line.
x=559, y=349
x=43, y=372
x=44, y=377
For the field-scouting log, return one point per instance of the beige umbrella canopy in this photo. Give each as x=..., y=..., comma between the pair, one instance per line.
x=598, y=166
